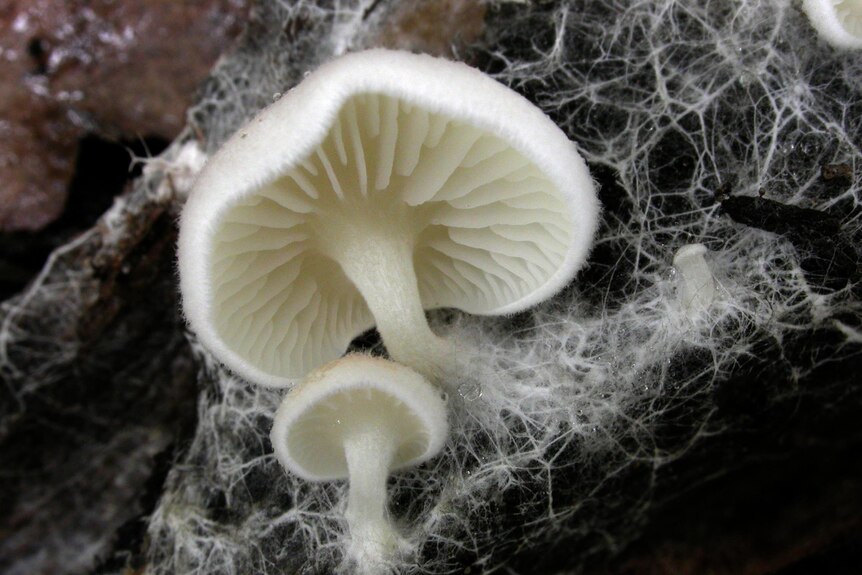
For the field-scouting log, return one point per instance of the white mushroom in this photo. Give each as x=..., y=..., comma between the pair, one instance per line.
x=385, y=184
x=839, y=22
x=696, y=288
x=360, y=418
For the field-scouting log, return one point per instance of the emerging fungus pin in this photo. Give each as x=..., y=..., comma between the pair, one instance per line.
x=361, y=418
x=839, y=22
x=696, y=288
x=385, y=184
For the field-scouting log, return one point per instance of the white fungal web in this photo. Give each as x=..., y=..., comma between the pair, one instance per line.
x=487, y=228
x=569, y=415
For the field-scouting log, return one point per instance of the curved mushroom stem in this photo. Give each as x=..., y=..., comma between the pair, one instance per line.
x=380, y=265
x=369, y=454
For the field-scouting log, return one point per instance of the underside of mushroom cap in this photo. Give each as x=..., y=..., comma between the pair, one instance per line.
x=491, y=197
x=349, y=396
x=839, y=22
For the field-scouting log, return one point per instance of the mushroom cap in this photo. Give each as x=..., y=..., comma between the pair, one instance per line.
x=839, y=22
x=350, y=395
x=495, y=201
x=688, y=251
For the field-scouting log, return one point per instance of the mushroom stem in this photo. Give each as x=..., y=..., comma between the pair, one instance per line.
x=380, y=265
x=369, y=454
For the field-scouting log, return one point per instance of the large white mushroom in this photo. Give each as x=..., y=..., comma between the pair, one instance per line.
x=385, y=184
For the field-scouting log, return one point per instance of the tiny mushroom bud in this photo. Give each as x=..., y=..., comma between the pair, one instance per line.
x=839, y=22
x=385, y=184
x=360, y=418
x=696, y=289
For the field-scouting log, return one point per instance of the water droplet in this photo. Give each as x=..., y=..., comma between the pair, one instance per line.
x=470, y=391
x=276, y=96
x=671, y=273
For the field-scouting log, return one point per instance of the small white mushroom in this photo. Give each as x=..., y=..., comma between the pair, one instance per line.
x=839, y=22
x=696, y=287
x=360, y=418
x=385, y=184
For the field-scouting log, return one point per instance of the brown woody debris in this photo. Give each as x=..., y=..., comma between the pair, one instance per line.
x=72, y=67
